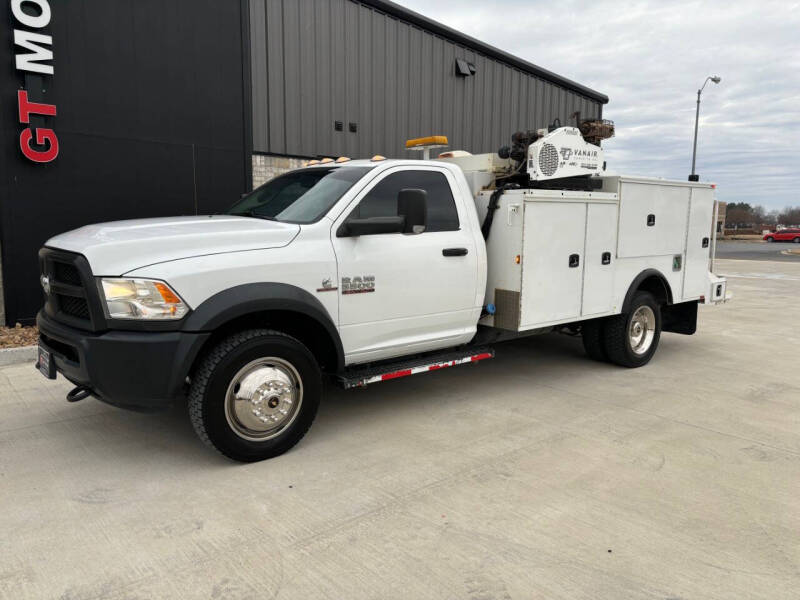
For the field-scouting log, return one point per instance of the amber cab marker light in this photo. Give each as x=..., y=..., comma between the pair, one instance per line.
x=377, y=158
x=517, y=259
x=325, y=161
x=342, y=159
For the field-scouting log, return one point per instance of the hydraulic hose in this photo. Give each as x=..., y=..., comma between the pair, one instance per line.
x=494, y=201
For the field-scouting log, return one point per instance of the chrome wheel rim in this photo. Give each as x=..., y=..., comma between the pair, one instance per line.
x=642, y=330
x=263, y=399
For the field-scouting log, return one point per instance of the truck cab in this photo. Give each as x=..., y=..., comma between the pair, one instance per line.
x=362, y=270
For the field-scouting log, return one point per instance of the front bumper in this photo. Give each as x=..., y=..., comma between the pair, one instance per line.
x=143, y=371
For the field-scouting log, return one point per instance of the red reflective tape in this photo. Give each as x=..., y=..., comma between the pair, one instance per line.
x=443, y=365
x=396, y=374
x=481, y=356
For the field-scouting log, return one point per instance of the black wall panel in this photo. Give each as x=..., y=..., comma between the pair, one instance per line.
x=152, y=121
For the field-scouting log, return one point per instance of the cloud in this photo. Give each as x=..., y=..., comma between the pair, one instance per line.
x=650, y=58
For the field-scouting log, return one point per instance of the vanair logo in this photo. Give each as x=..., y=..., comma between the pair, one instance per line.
x=567, y=153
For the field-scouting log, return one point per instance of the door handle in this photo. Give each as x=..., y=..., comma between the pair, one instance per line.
x=574, y=260
x=454, y=252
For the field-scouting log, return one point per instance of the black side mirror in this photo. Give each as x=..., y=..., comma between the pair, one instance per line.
x=413, y=205
x=354, y=227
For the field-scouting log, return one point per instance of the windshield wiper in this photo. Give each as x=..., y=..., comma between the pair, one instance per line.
x=252, y=213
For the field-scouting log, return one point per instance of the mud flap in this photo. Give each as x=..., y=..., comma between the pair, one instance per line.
x=679, y=318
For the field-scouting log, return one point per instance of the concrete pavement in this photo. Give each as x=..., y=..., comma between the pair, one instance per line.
x=539, y=474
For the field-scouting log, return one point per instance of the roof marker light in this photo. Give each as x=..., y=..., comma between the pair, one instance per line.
x=377, y=158
x=426, y=144
x=325, y=161
x=342, y=159
x=431, y=140
x=312, y=162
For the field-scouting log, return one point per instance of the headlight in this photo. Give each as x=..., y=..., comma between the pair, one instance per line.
x=141, y=299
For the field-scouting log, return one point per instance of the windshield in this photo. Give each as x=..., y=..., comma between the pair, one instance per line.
x=302, y=196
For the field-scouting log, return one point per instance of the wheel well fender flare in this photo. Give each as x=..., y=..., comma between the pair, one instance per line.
x=649, y=279
x=254, y=298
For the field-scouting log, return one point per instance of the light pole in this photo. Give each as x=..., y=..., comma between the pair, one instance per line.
x=715, y=79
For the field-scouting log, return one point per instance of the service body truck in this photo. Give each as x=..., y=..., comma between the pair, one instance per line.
x=367, y=270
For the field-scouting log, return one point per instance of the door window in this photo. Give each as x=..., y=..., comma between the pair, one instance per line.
x=381, y=201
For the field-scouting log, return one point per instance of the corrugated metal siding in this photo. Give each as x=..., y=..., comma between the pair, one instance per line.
x=319, y=61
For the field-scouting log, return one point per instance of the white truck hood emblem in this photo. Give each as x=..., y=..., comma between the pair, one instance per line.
x=121, y=246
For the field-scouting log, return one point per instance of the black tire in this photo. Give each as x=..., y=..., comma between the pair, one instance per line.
x=796, y=240
x=212, y=380
x=617, y=340
x=770, y=239
x=592, y=332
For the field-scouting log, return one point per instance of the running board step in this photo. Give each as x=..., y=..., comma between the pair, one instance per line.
x=395, y=370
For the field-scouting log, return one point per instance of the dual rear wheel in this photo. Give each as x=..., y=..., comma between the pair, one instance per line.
x=629, y=339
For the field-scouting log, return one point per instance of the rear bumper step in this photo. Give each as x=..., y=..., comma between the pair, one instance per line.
x=395, y=370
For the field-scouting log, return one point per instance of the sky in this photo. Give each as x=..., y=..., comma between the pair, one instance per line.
x=650, y=58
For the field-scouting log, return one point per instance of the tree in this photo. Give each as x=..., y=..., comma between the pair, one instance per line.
x=789, y=216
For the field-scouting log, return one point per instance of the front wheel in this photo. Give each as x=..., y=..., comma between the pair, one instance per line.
x=796, y=240
x=631, y=338
x=255, y=394
x=770, y=240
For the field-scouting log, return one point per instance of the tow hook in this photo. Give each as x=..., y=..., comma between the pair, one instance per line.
x=79, y=393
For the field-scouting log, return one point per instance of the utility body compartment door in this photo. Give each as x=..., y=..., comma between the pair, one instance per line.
x=698, y=243
x=652, y=218
x=599, y=262
x=552, y=267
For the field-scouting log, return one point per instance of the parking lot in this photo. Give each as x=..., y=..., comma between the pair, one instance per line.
x=539, y=474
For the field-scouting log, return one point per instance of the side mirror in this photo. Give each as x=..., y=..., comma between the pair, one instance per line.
x=413, y=205
x=371, y=226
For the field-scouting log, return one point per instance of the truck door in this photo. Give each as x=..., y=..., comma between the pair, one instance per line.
x=407, y=293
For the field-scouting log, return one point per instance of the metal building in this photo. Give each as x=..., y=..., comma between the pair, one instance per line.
x=356, y=78
x=173, y=107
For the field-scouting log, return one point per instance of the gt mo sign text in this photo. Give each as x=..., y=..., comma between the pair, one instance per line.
x=34, y=55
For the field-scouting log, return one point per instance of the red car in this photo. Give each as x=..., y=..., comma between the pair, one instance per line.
x=784, y=235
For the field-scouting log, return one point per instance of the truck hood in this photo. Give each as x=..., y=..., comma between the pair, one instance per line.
x=121, y=246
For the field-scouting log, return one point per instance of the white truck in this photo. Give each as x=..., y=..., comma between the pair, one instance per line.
x=368, y=270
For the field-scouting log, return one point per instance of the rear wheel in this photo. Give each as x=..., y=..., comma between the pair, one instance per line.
x=631, y=338
x=255, y=394
x=592, y=333
x=770, y=239
x=796, y=240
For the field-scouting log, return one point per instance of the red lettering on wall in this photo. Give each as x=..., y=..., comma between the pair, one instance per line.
x=26, y=108
x=42, y=136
